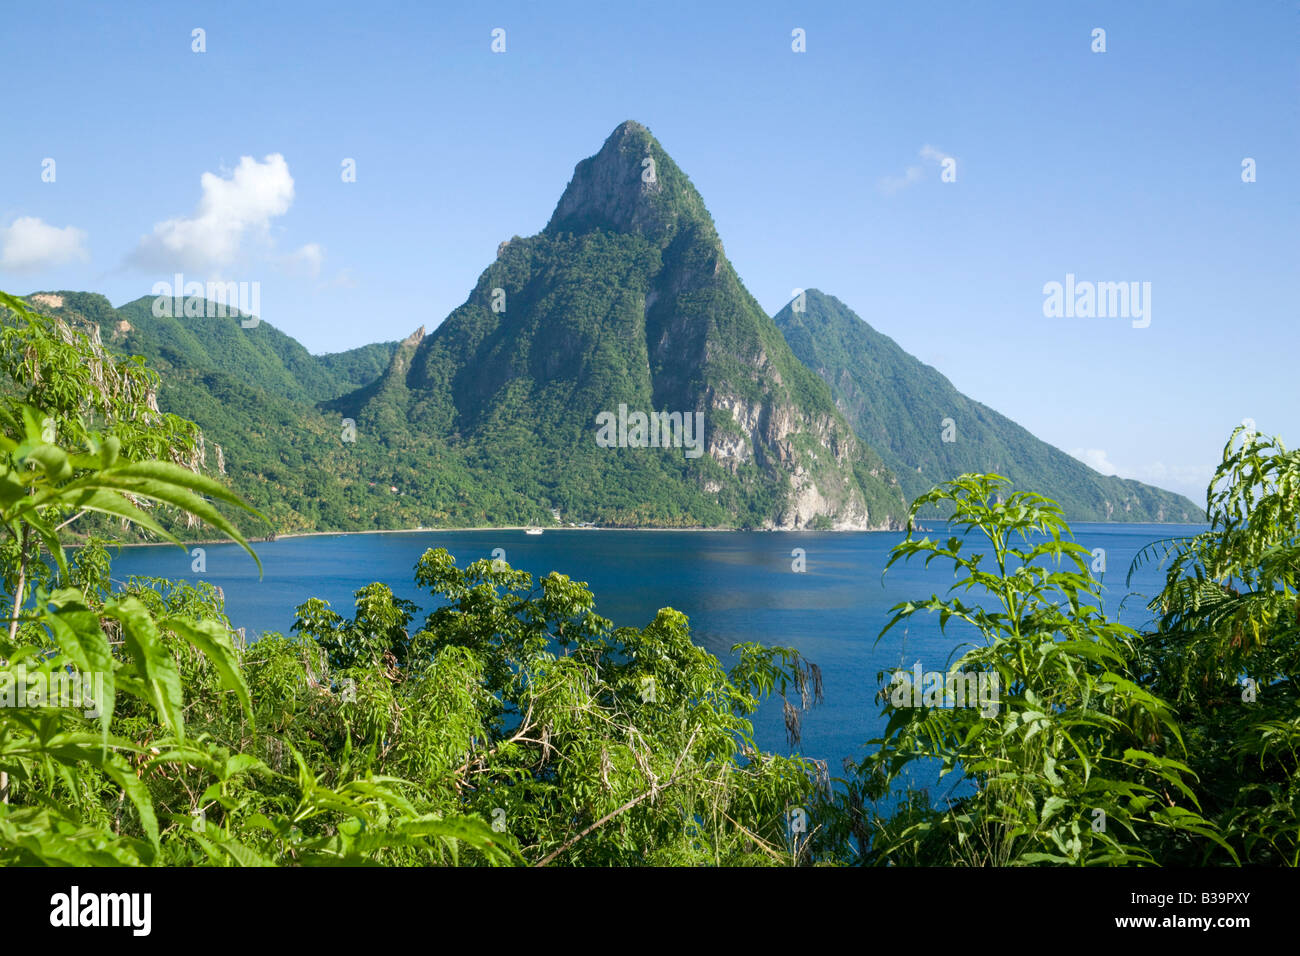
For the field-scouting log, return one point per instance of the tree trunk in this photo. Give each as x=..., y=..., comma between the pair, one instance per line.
x=13, y=631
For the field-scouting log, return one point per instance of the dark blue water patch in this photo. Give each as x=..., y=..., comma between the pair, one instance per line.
x=733, y=587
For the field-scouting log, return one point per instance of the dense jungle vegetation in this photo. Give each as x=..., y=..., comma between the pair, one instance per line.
x=514, y=725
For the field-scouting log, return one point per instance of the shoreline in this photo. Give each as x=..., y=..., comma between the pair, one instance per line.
x=513, y=527
x=477, y=528
x=335, y=534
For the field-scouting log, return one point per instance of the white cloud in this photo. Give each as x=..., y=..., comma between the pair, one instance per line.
x=892, y=184
x=29, y=244
x=342, y=280
x=913, y=174
x=1192, y=480
x=308, y=259
x=936, y=156
x=1096, y=459
x=230, y=210
x=1189, y=480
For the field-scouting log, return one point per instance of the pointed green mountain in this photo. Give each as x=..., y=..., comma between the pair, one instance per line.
x=898, y=405
x=627, y=299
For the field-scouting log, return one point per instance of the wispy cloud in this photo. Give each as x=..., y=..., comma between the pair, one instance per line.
x=342, y=280
x=307, y=259
x=1096, y=459
x=1190, y=480
x=936, y=156
x=914, y=173
x=892, y=184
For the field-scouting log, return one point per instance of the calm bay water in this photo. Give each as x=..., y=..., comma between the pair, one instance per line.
x=734, y=586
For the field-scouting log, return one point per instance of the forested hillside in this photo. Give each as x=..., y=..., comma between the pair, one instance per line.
x=928, y=432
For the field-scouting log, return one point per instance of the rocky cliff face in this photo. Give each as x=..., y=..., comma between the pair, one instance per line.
x=811, y=450
x=630, y=186
x=400, y=363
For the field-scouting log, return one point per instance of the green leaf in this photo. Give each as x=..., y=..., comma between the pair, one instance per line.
x=76, y=630
x=216, y=644
x=152, y=660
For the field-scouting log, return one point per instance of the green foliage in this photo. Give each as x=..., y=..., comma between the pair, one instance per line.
x=377, y=635
x=1076, y=762
x=517, y=725
x=581, y=743
x=1226, y=651
x=110, y=700
x=64, y=371
x=589, y=744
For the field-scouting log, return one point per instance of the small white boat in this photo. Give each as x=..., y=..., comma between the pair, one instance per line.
x=533, y=531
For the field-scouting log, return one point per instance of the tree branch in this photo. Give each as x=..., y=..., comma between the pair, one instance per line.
x=654, y=789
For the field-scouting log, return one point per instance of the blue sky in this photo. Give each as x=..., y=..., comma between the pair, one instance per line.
x=821, y=169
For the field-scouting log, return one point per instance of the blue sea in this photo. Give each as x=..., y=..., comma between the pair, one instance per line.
x=733, y=586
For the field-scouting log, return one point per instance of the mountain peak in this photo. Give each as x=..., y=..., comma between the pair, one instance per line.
x=630, y=185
